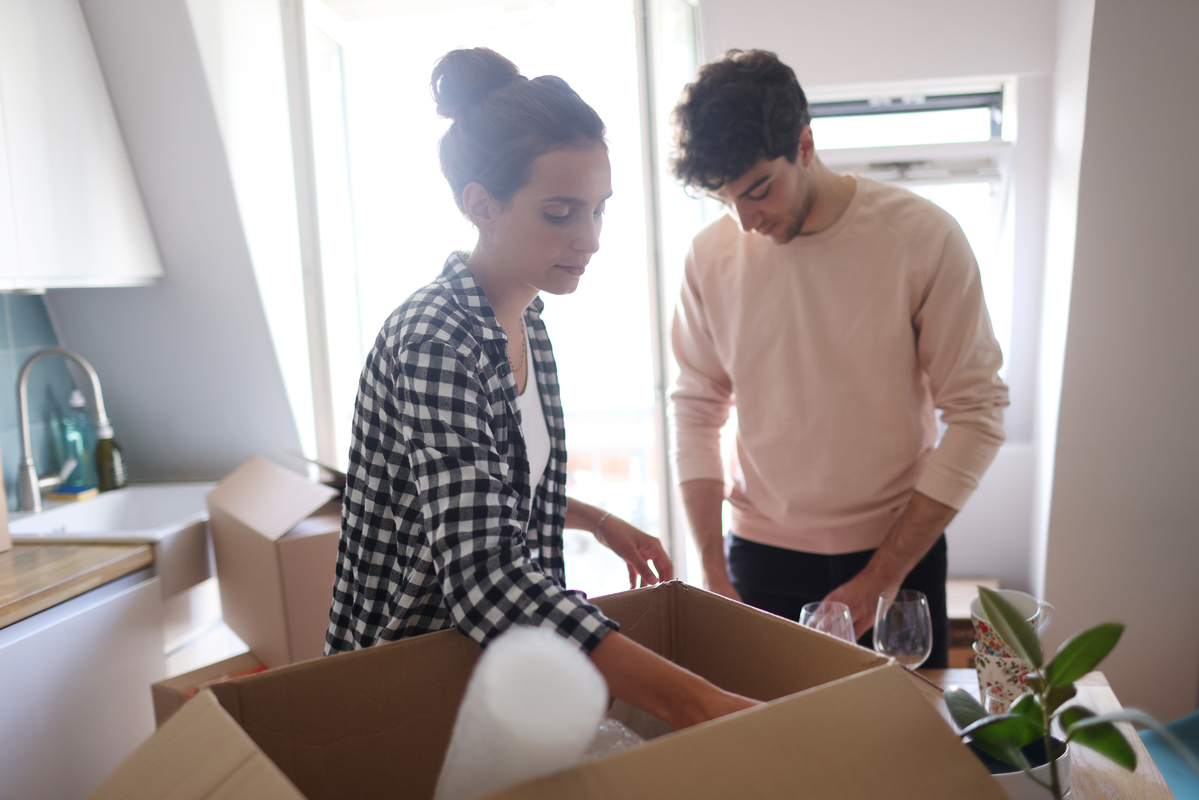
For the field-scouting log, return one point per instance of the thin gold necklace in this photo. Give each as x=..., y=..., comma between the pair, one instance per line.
x=523, y=346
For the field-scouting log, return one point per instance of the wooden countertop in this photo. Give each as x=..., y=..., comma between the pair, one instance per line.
x=34, y=577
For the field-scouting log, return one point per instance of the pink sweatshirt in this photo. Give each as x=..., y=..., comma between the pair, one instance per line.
x=836, y=348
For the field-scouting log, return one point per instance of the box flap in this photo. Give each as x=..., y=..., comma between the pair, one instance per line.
x=371, y=723
x=645, y=615
x=757, y=654
x=170, y=694
x=325, y=520
x=200, y=753
x=868, y=735
x=267, y=497
x=737, y=647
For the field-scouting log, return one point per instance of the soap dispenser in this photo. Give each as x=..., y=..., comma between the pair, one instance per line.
x=79, y=443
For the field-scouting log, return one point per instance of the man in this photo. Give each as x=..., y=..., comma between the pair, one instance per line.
x=837, y=316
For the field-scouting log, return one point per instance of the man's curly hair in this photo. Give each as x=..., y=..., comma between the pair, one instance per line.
x=739, y=110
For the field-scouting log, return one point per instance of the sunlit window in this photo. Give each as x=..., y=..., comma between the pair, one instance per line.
x=913, y=127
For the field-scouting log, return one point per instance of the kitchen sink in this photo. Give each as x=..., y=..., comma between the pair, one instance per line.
x=144, y=513
x=173, y=517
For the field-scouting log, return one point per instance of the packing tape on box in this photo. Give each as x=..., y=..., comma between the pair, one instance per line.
x=532, y=707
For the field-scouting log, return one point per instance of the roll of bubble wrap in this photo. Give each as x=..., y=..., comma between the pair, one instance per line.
x=532, y=707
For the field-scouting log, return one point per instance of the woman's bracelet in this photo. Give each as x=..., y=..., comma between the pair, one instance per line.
x=599, y=527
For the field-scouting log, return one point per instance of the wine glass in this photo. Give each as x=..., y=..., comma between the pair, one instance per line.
x=829, y=617
x=995, y=702
x=903, y=628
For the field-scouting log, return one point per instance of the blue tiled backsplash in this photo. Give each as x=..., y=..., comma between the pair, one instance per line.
x=24, y=329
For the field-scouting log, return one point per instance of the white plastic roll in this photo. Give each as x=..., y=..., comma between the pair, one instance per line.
x=532, y=707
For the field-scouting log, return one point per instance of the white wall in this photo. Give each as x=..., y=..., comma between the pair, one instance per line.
x=241, y=47
x=190, y=375
x=868, y=41
x=839, y=48
x=1124, y=525
x=1070, y=104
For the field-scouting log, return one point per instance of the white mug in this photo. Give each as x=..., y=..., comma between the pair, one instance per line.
x=1037, y=612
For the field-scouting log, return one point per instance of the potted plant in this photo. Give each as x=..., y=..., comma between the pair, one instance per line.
x=1050, y=687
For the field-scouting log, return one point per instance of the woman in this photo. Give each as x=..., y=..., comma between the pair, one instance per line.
x=455, y=499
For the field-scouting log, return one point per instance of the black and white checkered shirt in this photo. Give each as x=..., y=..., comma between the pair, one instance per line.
x=438, y=529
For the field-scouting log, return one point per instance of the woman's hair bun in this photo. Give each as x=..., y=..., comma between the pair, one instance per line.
x=502, y=122
x=462, y=77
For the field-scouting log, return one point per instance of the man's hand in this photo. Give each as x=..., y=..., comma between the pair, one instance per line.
x=861, y=594
x=638, y=549
x=719, y=583
x=910, y=538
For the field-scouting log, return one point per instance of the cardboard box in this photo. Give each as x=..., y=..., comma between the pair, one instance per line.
x=275, y=537
x=170, y=695
x=375, y=723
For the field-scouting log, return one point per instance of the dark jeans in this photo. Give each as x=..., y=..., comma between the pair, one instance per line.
x=782, y=581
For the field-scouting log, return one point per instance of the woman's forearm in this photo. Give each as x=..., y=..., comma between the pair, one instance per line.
x=582, y=516
x=646, y=680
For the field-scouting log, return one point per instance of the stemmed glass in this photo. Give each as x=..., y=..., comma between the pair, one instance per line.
x=903, y=628
x=829, y=617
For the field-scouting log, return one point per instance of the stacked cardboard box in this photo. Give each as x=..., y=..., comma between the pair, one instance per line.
x=275, y=538
x=840, y=722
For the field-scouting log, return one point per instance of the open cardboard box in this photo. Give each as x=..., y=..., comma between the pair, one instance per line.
x=275, y=536
x=843, y=723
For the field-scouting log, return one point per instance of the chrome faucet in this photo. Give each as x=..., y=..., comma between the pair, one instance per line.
x=29, y=485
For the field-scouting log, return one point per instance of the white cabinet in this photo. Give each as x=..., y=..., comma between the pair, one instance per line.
x=75, y=688
x=70, y=210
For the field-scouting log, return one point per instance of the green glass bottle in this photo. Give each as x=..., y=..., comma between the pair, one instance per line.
x=110, y=466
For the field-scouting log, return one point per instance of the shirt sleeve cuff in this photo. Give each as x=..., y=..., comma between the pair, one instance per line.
x=576, y=619
x=957, y=465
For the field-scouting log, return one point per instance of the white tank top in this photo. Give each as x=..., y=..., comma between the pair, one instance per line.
x=532, y=423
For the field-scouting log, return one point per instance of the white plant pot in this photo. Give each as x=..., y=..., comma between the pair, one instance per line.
x=1019, y=787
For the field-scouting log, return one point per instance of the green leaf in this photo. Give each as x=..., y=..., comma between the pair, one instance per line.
x=1100, y=735
x=1073, y=714
x=1138, y=717
x=1035, y=681
x=1028, y=705
x=1058, y=695
x=1013, y=728
x=1080, y=654
x=964, y=709
x=1012, y=627
x=1106, y=740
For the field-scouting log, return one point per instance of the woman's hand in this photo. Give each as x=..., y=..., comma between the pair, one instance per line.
x=637, y=548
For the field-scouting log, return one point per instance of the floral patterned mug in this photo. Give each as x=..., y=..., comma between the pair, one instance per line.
x=1002, y=679
x=1038, y=613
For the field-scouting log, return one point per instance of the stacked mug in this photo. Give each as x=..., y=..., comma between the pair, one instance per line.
x=1001, y=674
